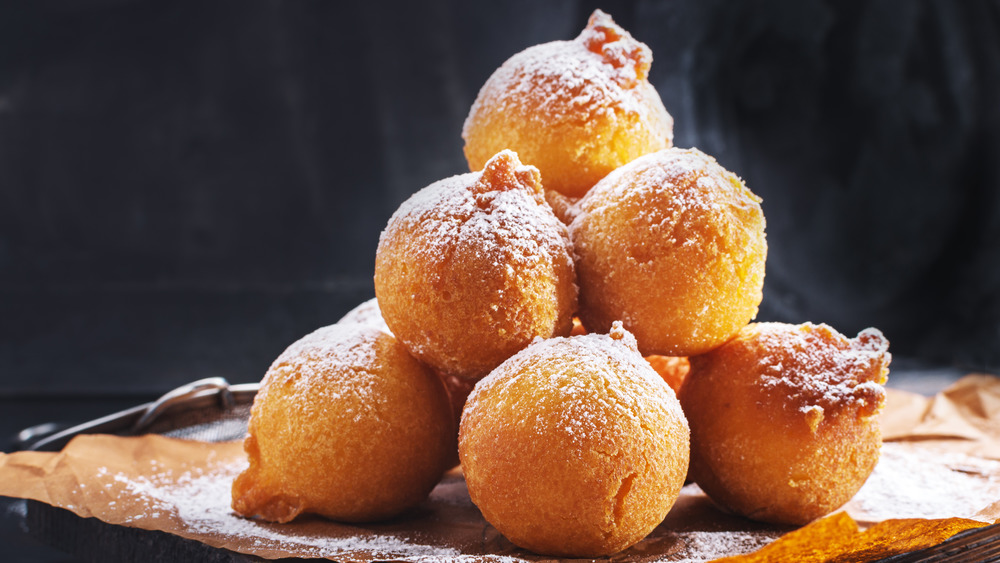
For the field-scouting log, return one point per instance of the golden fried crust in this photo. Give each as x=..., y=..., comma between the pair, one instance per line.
x=366, y=313
x=575, y=109
x=673, y=369
x=346, y=425
x=673, y=245
x=471, y=268
x=369, y=314
x=563, y=206
x=574, y=447
x=783, y=419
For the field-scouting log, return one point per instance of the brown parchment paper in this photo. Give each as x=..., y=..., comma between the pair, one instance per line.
x=963, y=418
x=949, y=443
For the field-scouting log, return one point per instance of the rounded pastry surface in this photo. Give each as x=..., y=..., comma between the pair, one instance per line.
x=346, y=425
x=673, y=369
x=368, y=314
x=784, y=424
x=673, y=245
x=574, y=447
x=575, y=109
x=472, y=268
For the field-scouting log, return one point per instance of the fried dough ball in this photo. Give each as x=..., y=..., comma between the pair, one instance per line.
x=575, y=109
x=366, y=314
x=783, y=419
x=472, y=268
x=673, y=245
x=346, y=425
x=574, y=447
x=673, y=369
x=369, y=314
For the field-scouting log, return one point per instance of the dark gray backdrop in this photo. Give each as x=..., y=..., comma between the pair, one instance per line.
x=187, y=187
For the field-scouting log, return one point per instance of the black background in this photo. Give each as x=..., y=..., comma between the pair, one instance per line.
x=188, y=187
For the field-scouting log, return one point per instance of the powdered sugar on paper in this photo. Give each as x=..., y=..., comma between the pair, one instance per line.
x=699, y=547
x=201, y=500
x=911, y=482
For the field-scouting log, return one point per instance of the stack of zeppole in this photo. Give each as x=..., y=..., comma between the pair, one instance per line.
x=580, y=242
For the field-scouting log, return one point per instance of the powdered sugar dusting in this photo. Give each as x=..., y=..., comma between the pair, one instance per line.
x=491, y=558
x=674, y=190
x=820, y=371
x=331, y=351
x=479, y=213
x=499, y=213
x=604, y=359
x=488, y=241
x=699, y=547
x=596, y=75
x=910, y=482
x=366, y=314
x=200, y=500
x=631, y=58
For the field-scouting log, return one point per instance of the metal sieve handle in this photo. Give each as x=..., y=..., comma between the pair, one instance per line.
x=183, y=394
x=204, y=393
